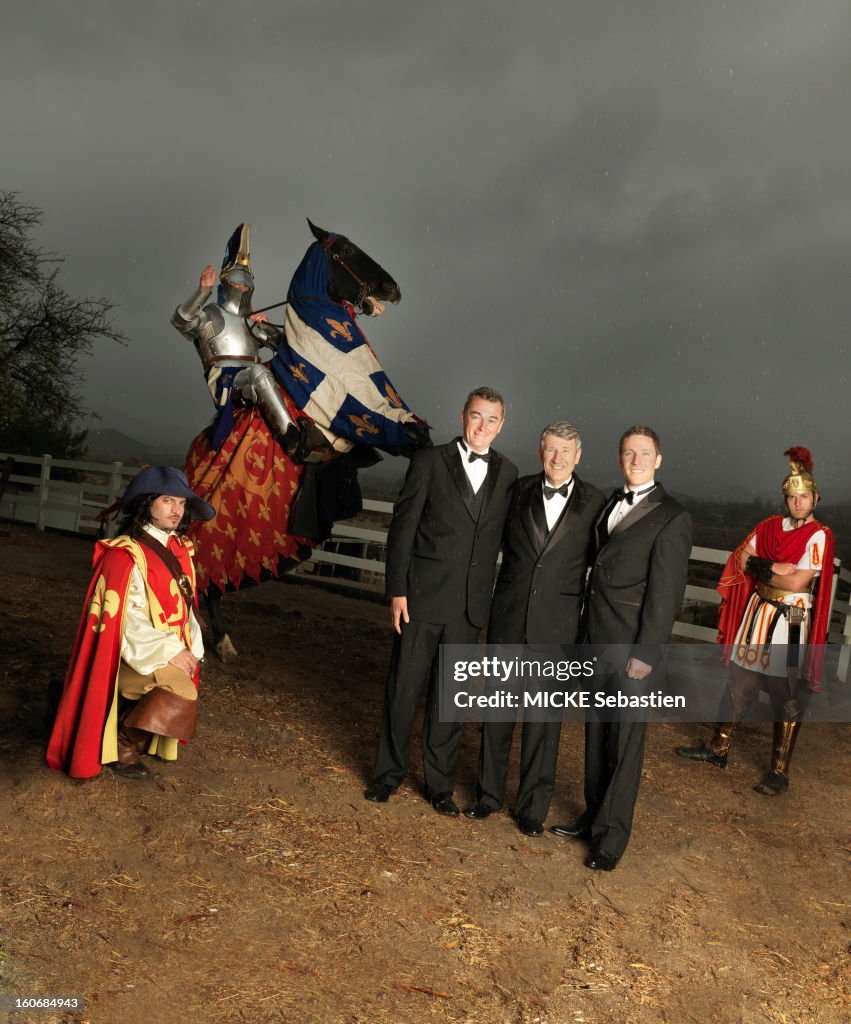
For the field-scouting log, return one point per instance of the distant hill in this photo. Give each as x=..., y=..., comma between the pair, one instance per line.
x=112, y=445
x=719, y=523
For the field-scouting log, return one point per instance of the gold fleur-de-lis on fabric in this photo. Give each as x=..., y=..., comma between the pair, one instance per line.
x=298, y=373
x=339, y=330
x=362, y=425
x=392, y=396
x=104, y=605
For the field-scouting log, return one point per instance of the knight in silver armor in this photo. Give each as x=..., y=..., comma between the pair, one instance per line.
x=228, y=339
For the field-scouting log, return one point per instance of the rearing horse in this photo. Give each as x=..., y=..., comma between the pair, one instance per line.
x=337, y=393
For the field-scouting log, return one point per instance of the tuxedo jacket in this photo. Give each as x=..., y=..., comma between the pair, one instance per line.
x=639, y=576
x=538, y=595
x=440, y=554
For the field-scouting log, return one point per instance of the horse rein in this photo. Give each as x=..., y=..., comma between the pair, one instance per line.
x=362, y=296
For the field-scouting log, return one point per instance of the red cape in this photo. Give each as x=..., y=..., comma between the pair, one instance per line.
x=737, y=586
x=77, y=737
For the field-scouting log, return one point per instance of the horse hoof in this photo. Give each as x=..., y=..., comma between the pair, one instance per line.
x=225, y=649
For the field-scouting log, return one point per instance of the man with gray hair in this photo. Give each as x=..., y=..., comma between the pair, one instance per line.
x=538, y=601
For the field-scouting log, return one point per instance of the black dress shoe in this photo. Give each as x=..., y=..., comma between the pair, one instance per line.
x=599, y=861
x=703, y=753
x=444, y=804
x=530, y=827
x=377, y=792
x=479, y=811
x=578, y=830
x=130, y=771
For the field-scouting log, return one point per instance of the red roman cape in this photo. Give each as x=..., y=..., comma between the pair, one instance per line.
x=779, y=545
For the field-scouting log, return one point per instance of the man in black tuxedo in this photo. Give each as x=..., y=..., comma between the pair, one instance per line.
x=638, y=578
x=538, y=601
x=442, y=548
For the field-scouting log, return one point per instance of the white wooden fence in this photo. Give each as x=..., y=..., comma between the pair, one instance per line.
x=358, y=545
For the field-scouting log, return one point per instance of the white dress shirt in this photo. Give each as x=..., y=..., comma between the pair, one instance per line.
x=623, y=507
x=476, y=470
x=554, y=506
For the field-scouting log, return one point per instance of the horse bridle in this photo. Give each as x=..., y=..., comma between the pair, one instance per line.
x=363, y=300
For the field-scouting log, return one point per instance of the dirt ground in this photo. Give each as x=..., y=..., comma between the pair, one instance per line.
x=250, y=881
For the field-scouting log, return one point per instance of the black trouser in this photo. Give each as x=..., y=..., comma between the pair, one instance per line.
x=614, y=753
x=414, y=666
x=539, y=743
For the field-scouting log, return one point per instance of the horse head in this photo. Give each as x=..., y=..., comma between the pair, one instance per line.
x=354, y=276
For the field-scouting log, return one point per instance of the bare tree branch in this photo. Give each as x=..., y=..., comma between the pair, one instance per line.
x=43, y=332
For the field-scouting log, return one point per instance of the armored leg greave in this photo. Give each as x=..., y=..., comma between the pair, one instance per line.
x=741, y=691
x=785, y=738
x=722, y=737
x=257, y=385
x=715, y=751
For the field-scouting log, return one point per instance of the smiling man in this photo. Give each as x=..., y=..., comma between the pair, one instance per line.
x=538, y=601
x=442, y=548
x=132, y=683
x=638, y=578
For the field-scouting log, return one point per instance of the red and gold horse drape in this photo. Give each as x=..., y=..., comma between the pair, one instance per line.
x=252, y=485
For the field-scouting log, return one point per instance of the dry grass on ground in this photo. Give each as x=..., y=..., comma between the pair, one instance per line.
x=250, y=882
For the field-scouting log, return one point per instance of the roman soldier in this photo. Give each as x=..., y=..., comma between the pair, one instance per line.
x=776, y=595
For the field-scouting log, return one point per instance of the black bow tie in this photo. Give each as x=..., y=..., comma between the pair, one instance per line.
x=472, y=456
x=549, y=492
x=630, y=496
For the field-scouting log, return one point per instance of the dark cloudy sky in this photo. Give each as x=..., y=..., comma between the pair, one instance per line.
x=614, y=212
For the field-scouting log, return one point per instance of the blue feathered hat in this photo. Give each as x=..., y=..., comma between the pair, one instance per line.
x=170, y=481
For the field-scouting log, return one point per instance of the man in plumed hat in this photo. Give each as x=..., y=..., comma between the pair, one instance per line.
x=775, y=593
x=132, y=683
